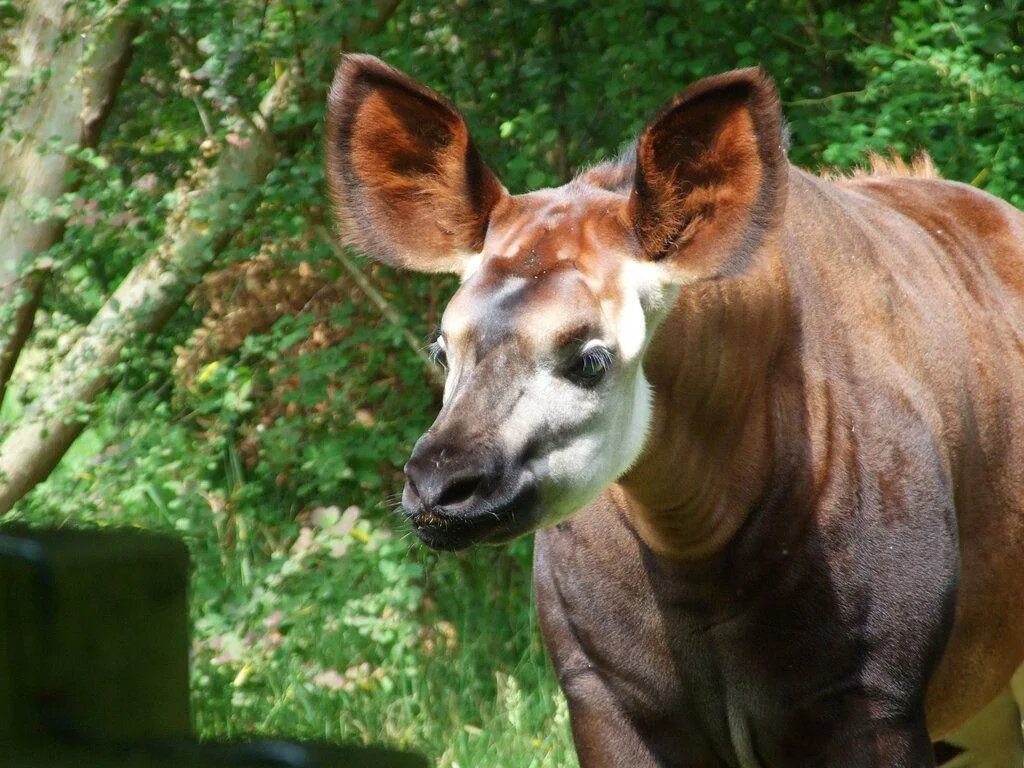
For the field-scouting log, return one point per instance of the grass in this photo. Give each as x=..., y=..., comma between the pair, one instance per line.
x=321, y=650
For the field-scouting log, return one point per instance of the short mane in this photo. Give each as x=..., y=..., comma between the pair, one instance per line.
x=615, y=175
x=921, y=166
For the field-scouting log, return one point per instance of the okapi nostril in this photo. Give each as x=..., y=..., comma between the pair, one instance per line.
x=459, y=491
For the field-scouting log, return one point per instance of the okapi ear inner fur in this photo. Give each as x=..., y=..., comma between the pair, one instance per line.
x=711, y=174
x=408, y=185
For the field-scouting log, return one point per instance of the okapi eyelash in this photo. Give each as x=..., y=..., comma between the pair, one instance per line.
x=598, y=356
x=436, y=353
x=436, y=350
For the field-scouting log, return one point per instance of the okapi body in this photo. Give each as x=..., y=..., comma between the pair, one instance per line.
x=767, y=425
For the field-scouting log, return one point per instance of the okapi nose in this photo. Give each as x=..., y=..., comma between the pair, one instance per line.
x=445, y=484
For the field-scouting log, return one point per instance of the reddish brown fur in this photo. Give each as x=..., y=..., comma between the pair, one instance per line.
x=838, y=404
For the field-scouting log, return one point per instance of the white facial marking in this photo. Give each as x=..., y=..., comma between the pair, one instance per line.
x=448, y=366
x=612, y=436
x=470, y=263
x=590, y=437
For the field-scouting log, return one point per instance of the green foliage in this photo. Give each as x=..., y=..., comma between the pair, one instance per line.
x=273, y=447
x=949, y=82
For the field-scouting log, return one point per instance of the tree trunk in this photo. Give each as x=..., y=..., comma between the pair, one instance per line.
x=85, y=64
x=19, y=322
x=204, y=221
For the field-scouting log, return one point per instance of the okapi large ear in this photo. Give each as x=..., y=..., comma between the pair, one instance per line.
x=409, y=187
x=711, y=175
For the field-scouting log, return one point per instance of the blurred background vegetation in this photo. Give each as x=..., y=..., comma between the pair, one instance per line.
x=263, y=409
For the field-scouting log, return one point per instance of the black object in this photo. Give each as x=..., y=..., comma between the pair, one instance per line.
x=94, y=661
x=94, y=636
x=181, y=754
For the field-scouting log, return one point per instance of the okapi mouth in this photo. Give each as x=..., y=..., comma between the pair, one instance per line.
x=494, y=521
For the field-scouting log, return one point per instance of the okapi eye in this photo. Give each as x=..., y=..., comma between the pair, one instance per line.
x=437, y=352
x=589, y=366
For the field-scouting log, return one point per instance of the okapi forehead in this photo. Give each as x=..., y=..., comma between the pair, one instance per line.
x=550, y=269
x=537, y=311
x=578, y=224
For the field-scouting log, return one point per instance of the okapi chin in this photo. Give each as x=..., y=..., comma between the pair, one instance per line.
x=767, y=425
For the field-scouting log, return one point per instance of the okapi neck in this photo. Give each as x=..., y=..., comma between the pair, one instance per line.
x=708, y=456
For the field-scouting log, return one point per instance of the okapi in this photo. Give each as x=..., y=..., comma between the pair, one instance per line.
x=768, y=426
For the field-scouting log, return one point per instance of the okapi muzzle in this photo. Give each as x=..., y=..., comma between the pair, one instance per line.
x=455, y=497
x=464, y=484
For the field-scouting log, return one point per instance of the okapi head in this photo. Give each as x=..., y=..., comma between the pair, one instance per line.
x=546, y=401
